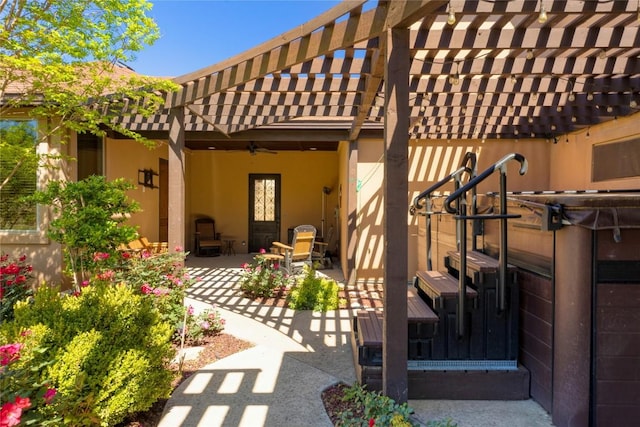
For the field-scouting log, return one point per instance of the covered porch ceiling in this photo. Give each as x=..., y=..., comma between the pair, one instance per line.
x=498, y=71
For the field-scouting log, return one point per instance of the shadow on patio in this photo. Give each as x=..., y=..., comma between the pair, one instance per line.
x=277, y=382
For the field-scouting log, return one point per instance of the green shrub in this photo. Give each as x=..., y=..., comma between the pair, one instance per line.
x=377, y=410
x=314, y=293
x=108, y=350
x=262, y=278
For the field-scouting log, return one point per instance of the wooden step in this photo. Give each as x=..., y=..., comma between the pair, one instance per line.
x=368, y=324
x=477, y=261
x=440, y=286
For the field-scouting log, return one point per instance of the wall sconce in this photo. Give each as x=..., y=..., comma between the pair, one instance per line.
x=145, y=178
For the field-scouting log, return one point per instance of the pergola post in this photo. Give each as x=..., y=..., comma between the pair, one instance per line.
x=176, y=179
x=396, y=187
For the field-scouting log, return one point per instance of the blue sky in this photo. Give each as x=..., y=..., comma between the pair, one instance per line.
x=199, y=33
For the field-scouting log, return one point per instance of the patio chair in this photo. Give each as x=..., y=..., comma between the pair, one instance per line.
x=295, y=256
x=208, y=242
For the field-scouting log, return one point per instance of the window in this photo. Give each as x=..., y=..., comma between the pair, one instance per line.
x=18, y=174
x=264, y=200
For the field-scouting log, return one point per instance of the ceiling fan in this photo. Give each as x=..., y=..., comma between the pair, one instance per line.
x=254, y=149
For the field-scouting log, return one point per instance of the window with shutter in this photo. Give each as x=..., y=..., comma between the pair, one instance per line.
x=18, y=174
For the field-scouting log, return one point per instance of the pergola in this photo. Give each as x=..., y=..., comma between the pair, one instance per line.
x=400, y=70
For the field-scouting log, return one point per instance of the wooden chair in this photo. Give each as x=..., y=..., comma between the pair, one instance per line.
x=294, y=257
x=208, y=242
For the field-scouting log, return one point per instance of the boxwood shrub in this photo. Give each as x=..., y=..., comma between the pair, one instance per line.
x=106, y=351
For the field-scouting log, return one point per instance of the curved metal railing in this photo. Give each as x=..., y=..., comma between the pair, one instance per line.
x=456, y=175
x=460, y=194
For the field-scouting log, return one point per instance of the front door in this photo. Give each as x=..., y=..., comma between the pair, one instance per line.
x=264, y=211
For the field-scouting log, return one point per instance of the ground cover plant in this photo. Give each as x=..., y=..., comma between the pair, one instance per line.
x=311, y=292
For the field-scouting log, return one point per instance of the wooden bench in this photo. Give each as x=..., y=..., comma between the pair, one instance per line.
x=440, y=286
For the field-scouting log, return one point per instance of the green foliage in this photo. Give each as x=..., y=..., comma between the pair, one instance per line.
x=107, y=349
x=89, y=219
x=314, y=293
x=25, y=393
x=378, y=410
x=262, y=278
x=164, y=280
x=15, y=284
x=66, y=54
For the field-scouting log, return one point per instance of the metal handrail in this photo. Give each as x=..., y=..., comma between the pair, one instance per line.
x=426, y=194
x=460, y=194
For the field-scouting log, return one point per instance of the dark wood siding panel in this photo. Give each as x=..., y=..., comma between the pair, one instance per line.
x=536, y=334
x=618, y=354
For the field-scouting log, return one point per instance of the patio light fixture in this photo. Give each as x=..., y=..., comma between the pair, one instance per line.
x=542, y=18
x=451, y=19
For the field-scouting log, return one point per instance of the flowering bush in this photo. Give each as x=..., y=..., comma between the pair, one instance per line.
x=24, y=396
x=262, y=278
x=376, y=410
x=104, y=349
x=15, y=284
x=208, y=323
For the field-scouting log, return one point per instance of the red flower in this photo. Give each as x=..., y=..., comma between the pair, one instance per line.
x=146, y=289
x=10, y=415
x=126, y=255
x=9, y=353
x=23, y=258
x=49, y=395
x=372, y=422
x=22, y=402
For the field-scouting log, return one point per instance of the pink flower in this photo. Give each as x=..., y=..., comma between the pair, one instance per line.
x=146, y=289
x=205, y=325
x=190, y=310
x=276, y=266
x=26, y=333
x=84, y=284
x=178, y=248
x=146, y=254
x=106, y=275
x=263, y=251
x=245, y=265
x=49, y=395
x=9, y=353
x=22, y=402
x=100, y=256
x=10, y=415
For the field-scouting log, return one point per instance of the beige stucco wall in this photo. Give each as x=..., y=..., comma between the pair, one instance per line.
x=571, y=161
x=123, y=159
x=218, y=186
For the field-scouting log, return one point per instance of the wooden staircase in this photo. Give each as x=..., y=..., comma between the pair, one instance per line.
x=471, y=354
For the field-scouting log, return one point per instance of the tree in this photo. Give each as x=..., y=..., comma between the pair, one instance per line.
x=90, y=216
x=63, y=60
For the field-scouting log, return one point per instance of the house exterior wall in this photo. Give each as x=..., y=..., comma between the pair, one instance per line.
x=42, y=253
x=570, y=162
x=123, y=159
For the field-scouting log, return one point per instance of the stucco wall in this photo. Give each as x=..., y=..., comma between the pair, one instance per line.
x=123, y=159
x=571, y=160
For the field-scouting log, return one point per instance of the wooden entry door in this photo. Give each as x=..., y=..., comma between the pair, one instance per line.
x=264, y=211
x=163, y=208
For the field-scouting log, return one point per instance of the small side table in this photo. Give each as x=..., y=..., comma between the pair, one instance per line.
x=228, y=247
